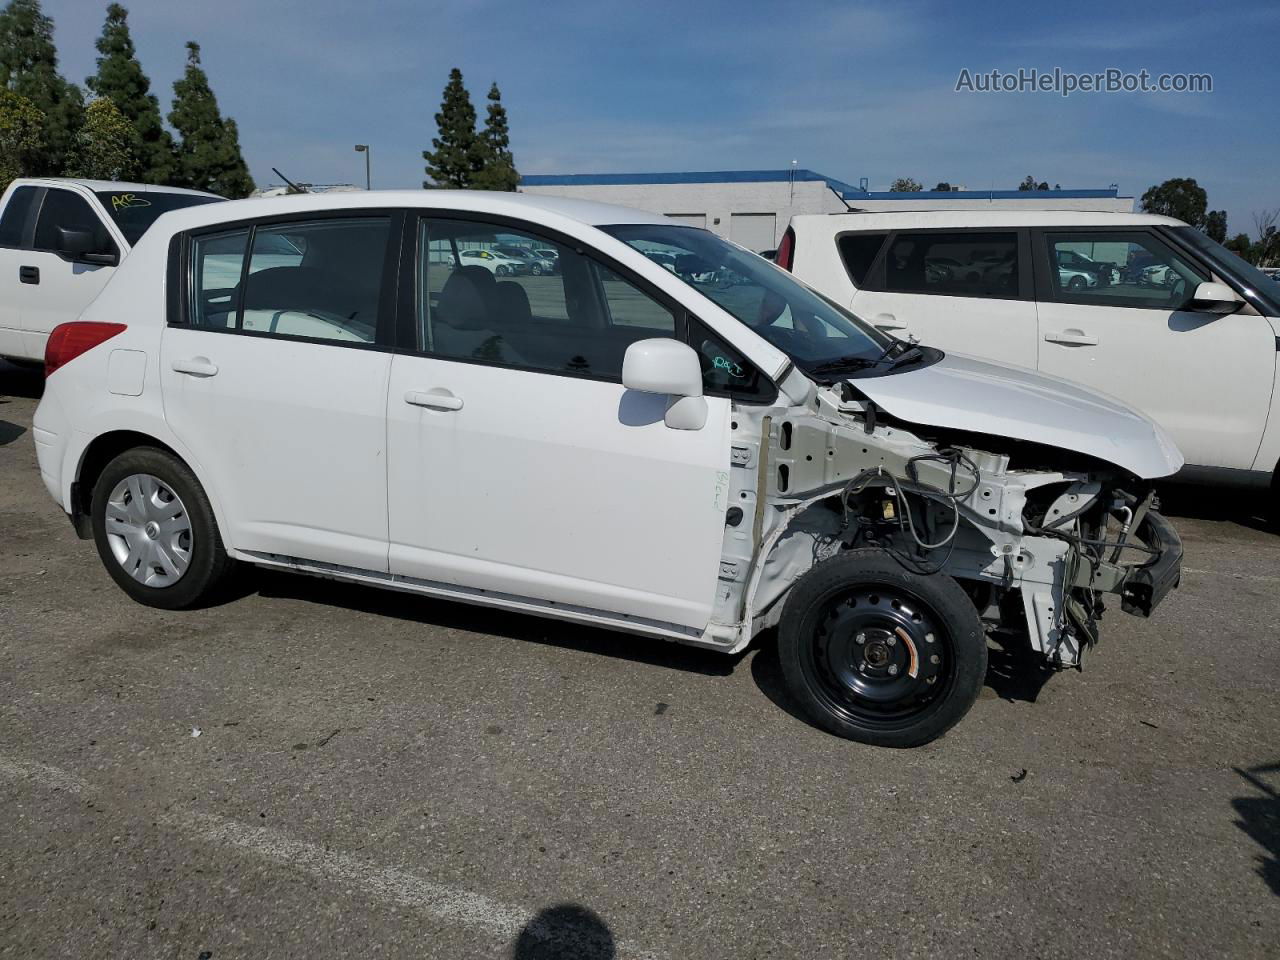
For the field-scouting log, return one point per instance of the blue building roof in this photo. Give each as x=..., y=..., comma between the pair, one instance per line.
x=846, y=191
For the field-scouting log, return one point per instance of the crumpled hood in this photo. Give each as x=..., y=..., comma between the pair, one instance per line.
x=965, y=393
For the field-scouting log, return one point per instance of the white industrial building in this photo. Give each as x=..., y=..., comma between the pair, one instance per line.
x=753, y=207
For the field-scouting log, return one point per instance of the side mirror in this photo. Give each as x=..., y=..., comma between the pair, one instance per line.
x=79, y=245
x=666, y=366
x=1214, y=298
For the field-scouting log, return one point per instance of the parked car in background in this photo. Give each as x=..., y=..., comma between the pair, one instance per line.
x=538, y=264
x=1179, y=327
x=60, y=240
x=638, y=449
x=499, y=264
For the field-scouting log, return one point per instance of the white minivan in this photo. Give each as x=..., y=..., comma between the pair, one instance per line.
x=60, y=239
x=695, y=453
x=1141, y=307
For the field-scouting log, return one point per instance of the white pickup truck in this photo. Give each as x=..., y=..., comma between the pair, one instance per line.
x=60, y=240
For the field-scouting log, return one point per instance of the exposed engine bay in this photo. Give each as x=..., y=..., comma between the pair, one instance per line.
x=1036, y=535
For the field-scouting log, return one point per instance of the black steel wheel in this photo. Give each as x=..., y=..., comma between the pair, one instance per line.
x=876, y=653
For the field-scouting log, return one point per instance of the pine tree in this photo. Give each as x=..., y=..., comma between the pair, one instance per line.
x=103, y=147
x=459, y=153
x=21, y=136
x=499, y=170
x=29, y=68
x=121, y=80
x=209, y=153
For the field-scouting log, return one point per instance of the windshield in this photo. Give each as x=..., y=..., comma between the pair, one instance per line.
x=134, y=212
x=1236, y=268
x=819, y=336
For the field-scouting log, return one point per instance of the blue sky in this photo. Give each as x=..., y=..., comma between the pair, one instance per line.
x=849, y=89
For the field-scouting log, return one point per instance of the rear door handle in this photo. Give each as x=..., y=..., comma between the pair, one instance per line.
x=437, y=398
x=1072, y=338
x=196, y=367
x=887, y=321
x=29, y=274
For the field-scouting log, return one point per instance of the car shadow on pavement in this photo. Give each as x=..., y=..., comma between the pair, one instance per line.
x=10, y=432
x=453, y=615
x=20, y=380
x=1247, y=508
x=1259, y=815
x=567, y=931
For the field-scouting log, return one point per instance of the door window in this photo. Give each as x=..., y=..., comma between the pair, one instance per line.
x=64, y=210
x=14, y=220
x=479, y=299
x=953, y=264
x=1119, y=270
x=315, y=279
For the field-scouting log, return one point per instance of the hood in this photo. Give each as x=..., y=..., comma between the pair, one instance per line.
x=965, y=393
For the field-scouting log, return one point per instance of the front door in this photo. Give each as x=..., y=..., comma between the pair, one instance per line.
x=57, y=290
x=519, y=464
x=277, y=383
x=1112, y=315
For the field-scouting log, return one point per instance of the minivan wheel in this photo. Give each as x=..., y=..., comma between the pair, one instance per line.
x=873, y=652
x=155, y=531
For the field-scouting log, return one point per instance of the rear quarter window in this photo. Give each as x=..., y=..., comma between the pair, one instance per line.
x=859, y=252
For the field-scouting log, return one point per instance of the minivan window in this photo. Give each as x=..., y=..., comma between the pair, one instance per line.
x=64, y=210
x=819, y=336
x=135, y=211
x=858, y=251
x=14, y=219
x=953, y=264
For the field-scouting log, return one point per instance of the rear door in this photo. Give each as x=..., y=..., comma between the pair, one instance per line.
x=58, y=288
x=275, y=378
x=17, y=222
x=518, y=463
x=1113, y=315
x=965, y=291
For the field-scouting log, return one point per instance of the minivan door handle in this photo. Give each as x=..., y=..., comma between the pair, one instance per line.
x=887, y=321
x=1072, y=338
x=29, y=274
x=195, y=367
x=437, y=398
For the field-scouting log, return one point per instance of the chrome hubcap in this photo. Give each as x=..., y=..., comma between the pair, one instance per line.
x=148, y=530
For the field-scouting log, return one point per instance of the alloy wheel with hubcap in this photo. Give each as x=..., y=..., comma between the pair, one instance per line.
x=148, y=530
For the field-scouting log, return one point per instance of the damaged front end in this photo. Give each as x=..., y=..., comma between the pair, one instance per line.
x=1037, y=535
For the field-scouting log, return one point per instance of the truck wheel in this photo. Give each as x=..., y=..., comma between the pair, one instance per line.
x=155, y=531
x=875, y=653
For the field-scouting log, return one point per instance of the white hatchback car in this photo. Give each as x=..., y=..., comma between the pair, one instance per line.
x=693, y=454
x=1144, y=308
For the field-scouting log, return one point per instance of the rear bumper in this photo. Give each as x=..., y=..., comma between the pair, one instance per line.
x=1148, y=584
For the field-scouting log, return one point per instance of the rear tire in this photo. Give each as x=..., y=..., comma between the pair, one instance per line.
x=875, y=653
x=155, y=530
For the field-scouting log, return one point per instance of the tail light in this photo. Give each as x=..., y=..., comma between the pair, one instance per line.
x=69, y=340
x=786, y=250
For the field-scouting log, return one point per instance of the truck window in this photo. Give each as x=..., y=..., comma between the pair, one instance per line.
x=64, y=210
x=14, y=219
x=134, y=211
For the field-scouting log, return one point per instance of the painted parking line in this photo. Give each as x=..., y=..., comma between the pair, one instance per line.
x=502, y=921
x=1257, y=578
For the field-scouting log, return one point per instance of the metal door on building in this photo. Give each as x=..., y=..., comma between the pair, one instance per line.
x=755, y=231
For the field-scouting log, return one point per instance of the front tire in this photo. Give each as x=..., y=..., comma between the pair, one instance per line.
x=875, y=653
x=155, y=531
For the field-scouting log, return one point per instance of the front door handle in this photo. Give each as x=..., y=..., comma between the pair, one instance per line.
x=437, y=398
x=1072, y=338
x=196, y=367
x=887, y=321
x=29, y=274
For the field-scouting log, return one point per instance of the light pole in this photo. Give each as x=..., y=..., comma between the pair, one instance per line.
x=364, y=148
